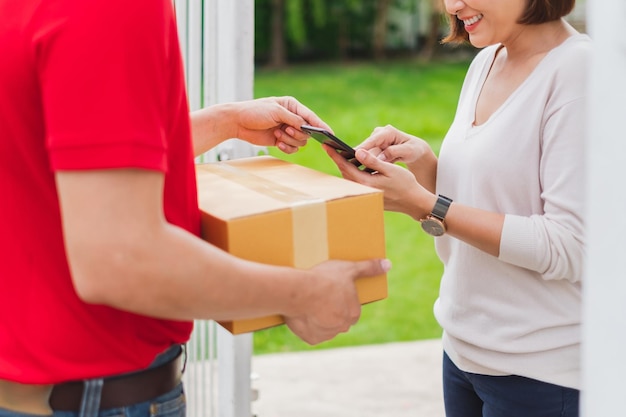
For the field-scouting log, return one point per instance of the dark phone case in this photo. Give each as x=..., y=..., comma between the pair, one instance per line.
x=325, y=137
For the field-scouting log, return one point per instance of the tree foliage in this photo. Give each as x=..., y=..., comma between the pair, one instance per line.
x=322, y=29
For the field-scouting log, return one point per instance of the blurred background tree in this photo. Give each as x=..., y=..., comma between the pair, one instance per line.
x=289, y=31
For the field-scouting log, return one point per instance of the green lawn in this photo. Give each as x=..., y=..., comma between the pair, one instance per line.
x=354, y=99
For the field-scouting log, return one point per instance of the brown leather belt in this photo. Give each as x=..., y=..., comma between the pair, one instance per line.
x=123, y=390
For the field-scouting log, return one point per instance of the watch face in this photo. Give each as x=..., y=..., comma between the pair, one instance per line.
x=433, y=227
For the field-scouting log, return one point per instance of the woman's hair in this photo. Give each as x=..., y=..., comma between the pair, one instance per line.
x=537, y=11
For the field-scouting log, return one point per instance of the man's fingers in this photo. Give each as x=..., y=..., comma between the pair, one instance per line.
x=286, y=118
x=372, y=267
x=293, y=106
x=288, y=141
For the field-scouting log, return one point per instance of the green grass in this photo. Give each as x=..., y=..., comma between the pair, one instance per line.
x=354, y=99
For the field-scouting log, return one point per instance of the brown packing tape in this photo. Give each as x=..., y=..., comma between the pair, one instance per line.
x=310, y=233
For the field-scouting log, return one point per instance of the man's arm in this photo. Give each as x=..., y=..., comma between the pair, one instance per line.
x=123, y=253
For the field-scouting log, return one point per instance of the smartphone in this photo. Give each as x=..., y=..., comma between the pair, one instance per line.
x=327, y=138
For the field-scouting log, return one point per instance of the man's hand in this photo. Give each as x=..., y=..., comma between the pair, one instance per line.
x=275, y=121
x=271, y=121
x=331, y=304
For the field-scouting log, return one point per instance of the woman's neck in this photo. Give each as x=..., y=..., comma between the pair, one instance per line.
x=533, y=40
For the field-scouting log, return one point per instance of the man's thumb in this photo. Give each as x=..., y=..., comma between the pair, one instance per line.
x=373, y=267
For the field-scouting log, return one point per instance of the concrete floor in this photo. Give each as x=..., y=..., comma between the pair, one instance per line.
x=388, y=380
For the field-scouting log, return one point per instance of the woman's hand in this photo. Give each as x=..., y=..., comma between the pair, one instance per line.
x=402, y=192
x=392, y=145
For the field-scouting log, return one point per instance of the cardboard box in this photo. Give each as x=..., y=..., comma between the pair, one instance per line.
x=268, y=210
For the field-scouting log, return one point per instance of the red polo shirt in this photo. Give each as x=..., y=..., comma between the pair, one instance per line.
x=84, y=85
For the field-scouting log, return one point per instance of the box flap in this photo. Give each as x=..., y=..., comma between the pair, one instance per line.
x=278, y=184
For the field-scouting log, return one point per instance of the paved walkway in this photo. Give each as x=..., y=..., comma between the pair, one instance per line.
x=389, y=380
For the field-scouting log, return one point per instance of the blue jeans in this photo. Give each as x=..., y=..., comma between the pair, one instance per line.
x=473, y=395
x=171, y=404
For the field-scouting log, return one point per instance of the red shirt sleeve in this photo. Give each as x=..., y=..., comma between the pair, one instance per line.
x=102, y=108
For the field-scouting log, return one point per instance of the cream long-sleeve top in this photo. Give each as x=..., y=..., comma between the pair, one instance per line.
x=519, y=313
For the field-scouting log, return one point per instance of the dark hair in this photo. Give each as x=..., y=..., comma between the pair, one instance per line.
x=537, y=11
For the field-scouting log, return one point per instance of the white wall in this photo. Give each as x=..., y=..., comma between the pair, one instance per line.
x=604, y=334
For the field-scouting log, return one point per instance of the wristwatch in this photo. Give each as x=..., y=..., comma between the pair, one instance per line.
x=434, y=223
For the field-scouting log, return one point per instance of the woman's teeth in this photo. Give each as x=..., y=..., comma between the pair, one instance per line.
x=472, y=20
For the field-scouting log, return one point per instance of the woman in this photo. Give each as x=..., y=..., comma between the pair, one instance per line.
x=506, y=199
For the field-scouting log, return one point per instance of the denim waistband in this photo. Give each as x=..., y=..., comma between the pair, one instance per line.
x=166, y=356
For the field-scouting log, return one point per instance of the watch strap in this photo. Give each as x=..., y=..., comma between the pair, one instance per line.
x=441, y=207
